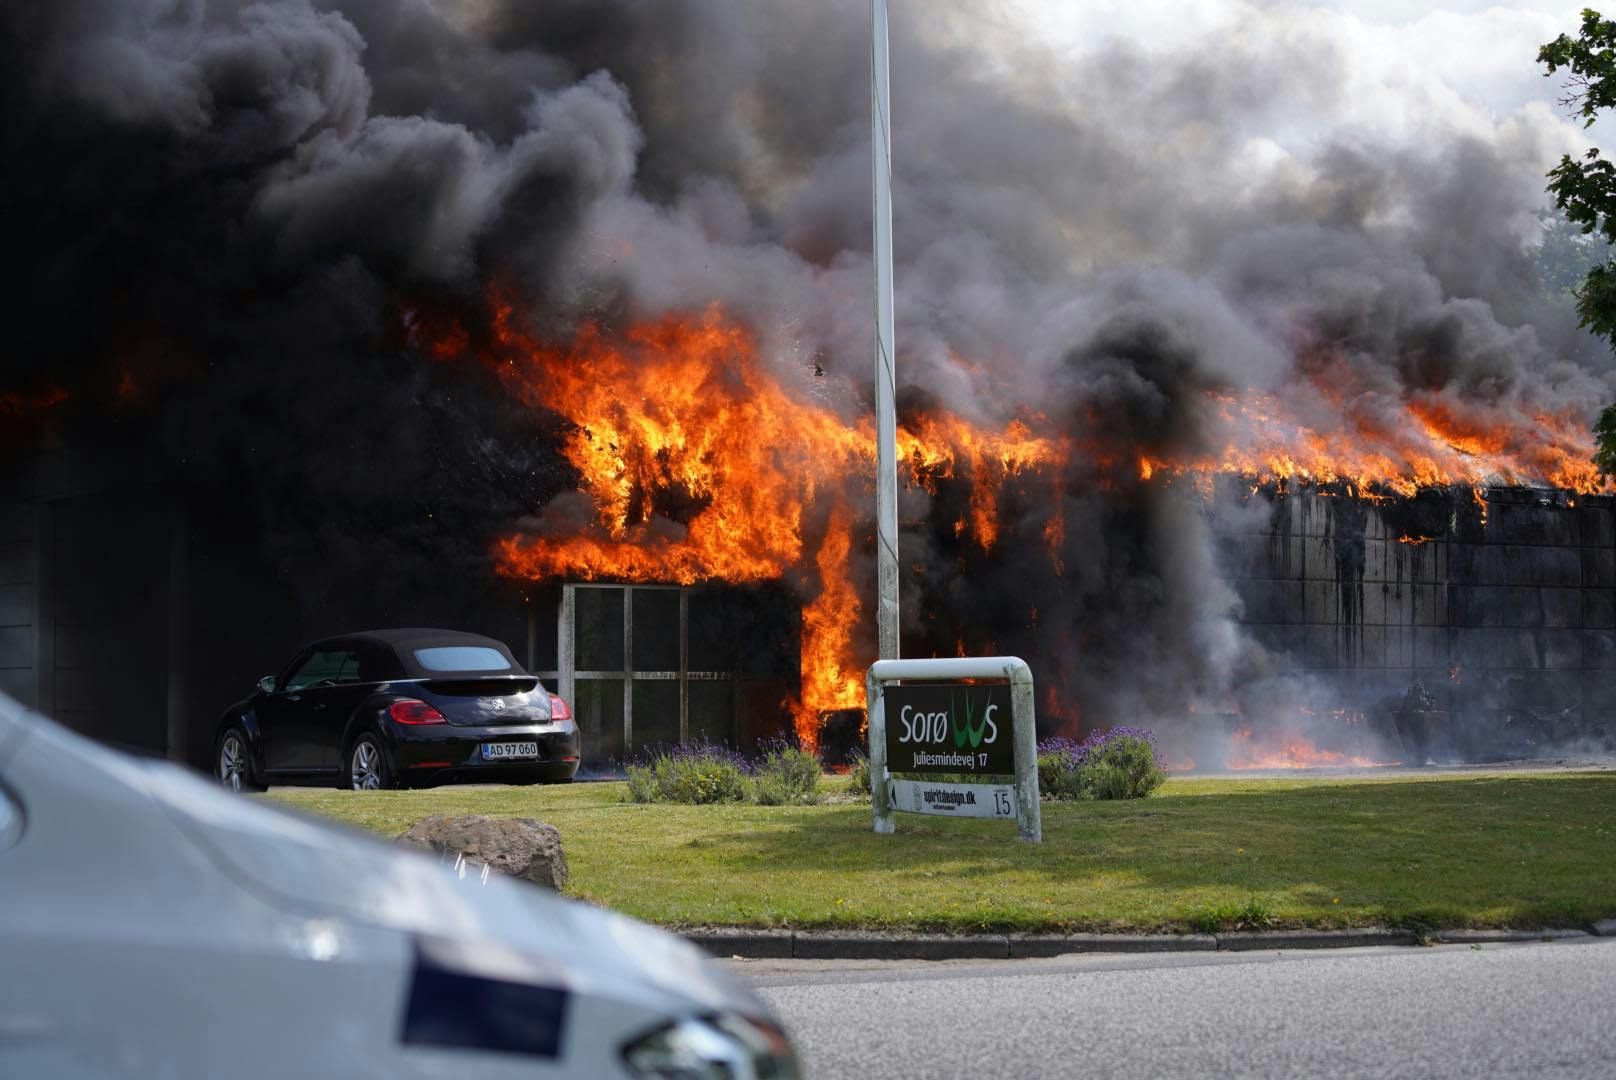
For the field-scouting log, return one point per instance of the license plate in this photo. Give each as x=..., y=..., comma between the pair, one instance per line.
x=506, y=751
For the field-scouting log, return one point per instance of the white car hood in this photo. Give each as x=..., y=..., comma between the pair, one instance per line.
x=323, y=871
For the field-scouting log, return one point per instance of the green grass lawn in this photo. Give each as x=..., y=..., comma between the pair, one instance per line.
x=1496, y=850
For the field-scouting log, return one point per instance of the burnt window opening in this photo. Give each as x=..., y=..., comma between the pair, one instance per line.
x=650, y=665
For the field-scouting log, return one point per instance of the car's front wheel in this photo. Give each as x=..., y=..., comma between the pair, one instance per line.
x=233, y=766
x=368, y=769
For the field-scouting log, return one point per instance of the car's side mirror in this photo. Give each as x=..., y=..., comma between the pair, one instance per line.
x=267, y=684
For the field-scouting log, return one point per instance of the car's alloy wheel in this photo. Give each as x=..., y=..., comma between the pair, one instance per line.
x=366, y=769
x=233, y=762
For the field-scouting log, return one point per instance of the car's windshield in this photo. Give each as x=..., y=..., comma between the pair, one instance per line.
x=462, y=658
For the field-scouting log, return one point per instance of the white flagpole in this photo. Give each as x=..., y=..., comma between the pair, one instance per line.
x=886, y=426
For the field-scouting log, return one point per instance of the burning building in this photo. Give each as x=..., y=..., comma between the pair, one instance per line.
x=551, y=322
x=1348, y=565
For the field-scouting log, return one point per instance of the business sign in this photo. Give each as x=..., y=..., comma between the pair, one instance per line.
x=954, y=800
x=950, y=728
x=927, y=721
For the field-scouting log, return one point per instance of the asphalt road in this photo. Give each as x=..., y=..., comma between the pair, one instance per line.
x=1527, y=1010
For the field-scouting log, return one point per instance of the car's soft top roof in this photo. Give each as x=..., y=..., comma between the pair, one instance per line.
x=403, y=641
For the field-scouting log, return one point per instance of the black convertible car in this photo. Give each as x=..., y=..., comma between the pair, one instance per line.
x=398, y=708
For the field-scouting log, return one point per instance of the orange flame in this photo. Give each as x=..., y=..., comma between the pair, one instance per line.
x=942, y=446
x=1368, y=441
x=678, y=407
x=1288, y=750
x=17, y=404
x=829, y=675
x=684, y=411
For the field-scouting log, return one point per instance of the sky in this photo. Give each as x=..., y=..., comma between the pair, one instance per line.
x=1411, y=70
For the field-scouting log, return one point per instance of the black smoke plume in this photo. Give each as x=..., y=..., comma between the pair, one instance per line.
x=218, y=213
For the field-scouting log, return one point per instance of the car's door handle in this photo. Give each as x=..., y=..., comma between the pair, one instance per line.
x=319, y=705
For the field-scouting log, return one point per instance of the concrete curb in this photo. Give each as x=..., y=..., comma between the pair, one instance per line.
x=850, y=945
x=752, y=944
x=1031, y=945
x=874, y=945
x=1247, y=940
x=1483, y=937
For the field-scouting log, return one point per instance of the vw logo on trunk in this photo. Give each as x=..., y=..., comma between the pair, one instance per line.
x=497, y=703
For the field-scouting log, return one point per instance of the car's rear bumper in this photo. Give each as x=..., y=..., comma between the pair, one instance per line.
x=443, y=753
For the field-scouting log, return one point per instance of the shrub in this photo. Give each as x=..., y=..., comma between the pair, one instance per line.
x=1118, y=764
x=1123, y=767
x=690, y=773
x=859, y=772
x=787, y=775
x=641, y=784
x=1058, y=761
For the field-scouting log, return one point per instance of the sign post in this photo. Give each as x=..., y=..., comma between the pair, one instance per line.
x=924, y=719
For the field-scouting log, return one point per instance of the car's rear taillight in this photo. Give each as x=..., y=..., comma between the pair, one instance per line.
x=414, y=712
x=559, y=709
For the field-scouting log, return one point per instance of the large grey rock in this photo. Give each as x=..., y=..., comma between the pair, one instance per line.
x=518, y=847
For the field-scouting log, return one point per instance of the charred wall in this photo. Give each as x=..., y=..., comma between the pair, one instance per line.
x=1502, y=609
x=86, y=544
x=135, y=607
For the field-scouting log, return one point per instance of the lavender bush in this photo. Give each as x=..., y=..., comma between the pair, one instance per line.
x=691, y=772
x=786, y=775
x=1116, y=764
x=703, y=772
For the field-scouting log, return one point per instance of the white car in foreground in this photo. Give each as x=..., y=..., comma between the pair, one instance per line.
x=153, y=925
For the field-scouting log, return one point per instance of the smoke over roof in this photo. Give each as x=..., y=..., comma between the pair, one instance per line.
x=220, y=209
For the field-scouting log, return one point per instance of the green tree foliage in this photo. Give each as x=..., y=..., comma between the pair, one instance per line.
x=1585, y=190
x=1564, y=256
x=1605, y=438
